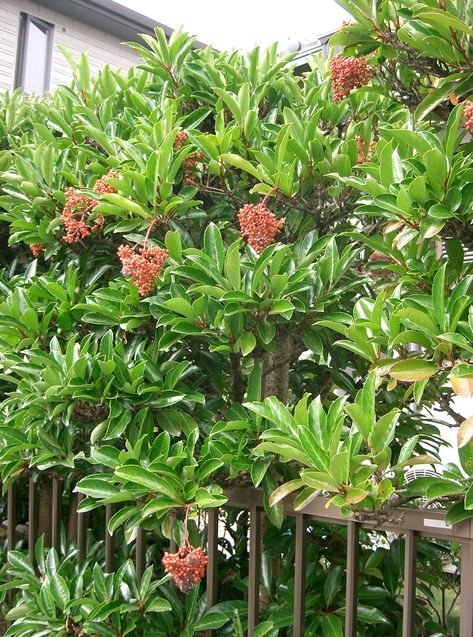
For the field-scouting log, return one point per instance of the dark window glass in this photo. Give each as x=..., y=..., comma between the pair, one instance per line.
x=34, y=54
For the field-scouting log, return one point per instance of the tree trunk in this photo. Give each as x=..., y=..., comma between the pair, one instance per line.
x=275, y=382
x=276, y=367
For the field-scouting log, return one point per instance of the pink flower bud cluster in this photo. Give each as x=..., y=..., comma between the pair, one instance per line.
x=143, y=267
x=468, y=115
x=78, y=208
x=364, y=156
x=187, y=567
x=346, y=74
x=259, y=226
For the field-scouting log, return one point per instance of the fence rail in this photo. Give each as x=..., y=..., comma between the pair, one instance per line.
x=412, y=523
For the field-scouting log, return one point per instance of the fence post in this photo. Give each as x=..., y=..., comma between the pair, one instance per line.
x=109, y=539
x=11, y=518
x=299, y=575
x=56, y=506
x=11, y=527
x=82, y=519
x=466, y=589
x=140, y=553
x=410, y=583
x=254, y=557
x=212, y=554
x=352, y=579
x=32, y=523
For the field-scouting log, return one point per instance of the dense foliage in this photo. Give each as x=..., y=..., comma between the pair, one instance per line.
x=217, y=271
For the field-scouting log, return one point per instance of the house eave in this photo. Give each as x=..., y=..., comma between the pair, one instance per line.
x=110, y=17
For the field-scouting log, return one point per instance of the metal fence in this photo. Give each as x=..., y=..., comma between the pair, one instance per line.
x=411, y=523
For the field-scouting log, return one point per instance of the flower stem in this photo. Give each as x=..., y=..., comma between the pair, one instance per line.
x=148, y=232
x=267, y=195
x=186, y=530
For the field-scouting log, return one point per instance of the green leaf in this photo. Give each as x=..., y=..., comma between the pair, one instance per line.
x=451, y=130
x=173, y=244
x=158, y=605
x=145, y=478
x=247, y=343
x=369, y=615
x=444, y=19
x=419, y=319
x=331, y=626
x=253, y=391
x=458, y=513
x=213, y=245
x=465, y=432
x=265, y=628
x=205, y=500
x=210, y=621
x=284, y=490
x=208, y=467
x=242, y=164
x=333, y=584
x=411, y=370
x=60, y=590
x=444, y=488
x=128, y=204
x=96, y=487
x=339, y=467
x=259, y=468
x=275, y=512
x=121, y=516
x=438, y=297
x=383, y=432
x=232, y=265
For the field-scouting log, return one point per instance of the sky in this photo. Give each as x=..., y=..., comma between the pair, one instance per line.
x=242, y=24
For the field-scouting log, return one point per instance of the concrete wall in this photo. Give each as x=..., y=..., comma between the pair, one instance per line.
x=77, y=36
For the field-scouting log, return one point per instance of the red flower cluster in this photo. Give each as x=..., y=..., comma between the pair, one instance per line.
x=346, y=74
x=190, y=166
x=468, y=115
x=102, y=187
x=180, y=140
x=259, y=225
x=75, y=216
x=190, y=162
x=143, y=267
x=36, y=248
x=76, y=212
x=187, y=567
x=361, y=145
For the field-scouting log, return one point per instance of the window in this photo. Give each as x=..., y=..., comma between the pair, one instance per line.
x=34, y=54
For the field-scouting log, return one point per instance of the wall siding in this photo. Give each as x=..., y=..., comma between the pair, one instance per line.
x=78, y=37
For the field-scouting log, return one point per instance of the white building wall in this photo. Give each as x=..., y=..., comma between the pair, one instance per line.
x=78, y=37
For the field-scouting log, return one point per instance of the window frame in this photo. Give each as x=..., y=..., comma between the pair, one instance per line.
x=25, y=21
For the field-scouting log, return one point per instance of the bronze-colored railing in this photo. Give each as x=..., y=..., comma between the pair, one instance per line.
x=412, y=523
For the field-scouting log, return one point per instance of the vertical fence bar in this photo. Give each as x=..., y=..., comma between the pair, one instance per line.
x=109, y=540
x=254, y=558
x=32, y=507
x=11, y=517
x=466, y=589
x=140, y=553
x=299, y=575
x=56, y=502
x=212, y=554
x=352, y=579
x=410, y=581
x=82, y=519
x=11, y=526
